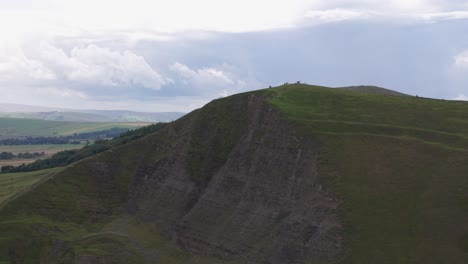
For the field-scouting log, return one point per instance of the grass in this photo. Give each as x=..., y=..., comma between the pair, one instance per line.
x=314, y=103
x=18, y=127
x=209, y=151
x=12, y=184
x=84, y=211
x=399, y=165
x=148, y=238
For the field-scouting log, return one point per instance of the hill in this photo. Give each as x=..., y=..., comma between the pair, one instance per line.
x=373, y=89
x=14, y=184
x=86, y=115
x=294, y=174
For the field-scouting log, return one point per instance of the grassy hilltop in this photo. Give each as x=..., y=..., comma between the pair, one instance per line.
x=293, y=174
x=400, y=166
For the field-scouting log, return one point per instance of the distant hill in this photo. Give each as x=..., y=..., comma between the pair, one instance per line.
x=373, y=89
x=12, y=108
x=296, y=174
x=20, y=127
x=79, y=115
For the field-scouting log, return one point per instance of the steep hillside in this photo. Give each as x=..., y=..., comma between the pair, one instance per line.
x=399, y=166
x=294, y=174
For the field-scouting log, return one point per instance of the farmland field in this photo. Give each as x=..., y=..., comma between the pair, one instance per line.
x=48, y=149
x=17, y=127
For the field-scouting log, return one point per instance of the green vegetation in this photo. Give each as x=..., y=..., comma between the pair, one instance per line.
x=209, y=151
x=11, y=184
x=67, y=157
x=81, y=215
x=25, y=155
x=17, y=127
x=399, y=164
x=73, y=231
x=48, y=150
x=373, y=90
x=335, y=111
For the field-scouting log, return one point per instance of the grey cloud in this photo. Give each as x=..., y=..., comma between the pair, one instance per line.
x=414, y=58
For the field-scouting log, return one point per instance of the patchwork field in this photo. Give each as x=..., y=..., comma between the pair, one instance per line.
x=17, y=127
x=48, y=150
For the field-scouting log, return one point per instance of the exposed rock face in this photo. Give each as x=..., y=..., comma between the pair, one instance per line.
x=262, y=202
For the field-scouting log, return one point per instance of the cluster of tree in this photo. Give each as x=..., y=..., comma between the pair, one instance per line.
x=66, y=157
x=38, y=141
x=72, y=139
x=6, y=156
x=25, y=155
x=102, y=134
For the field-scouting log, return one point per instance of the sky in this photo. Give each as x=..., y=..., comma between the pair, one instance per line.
x=177, y=55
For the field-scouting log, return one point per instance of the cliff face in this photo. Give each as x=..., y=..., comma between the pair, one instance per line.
x=261, y=200
x=231, y=180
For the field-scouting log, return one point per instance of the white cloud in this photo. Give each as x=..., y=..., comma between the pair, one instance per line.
x=15, y=65
x=54, y=92
x=210, y=82
x=446, y=16
x=461, y=60
x=461, y=97
x=96, y=65
x=77, y=17
x=337, y=14
x=89, y=65
x=166, y=16
x=395, y=10
x=86, y=44
x=416, y=6
x=206, y=78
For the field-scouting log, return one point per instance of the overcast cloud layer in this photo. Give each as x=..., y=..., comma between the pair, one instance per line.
x=177, y=55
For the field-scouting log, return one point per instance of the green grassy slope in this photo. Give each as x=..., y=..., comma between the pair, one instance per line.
x=334, y=111
x=373, y=90
x=17, y=127
x=81, y=213
x=12, y=184
x=399, y=165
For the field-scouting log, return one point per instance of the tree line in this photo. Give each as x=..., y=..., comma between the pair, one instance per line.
x=25, y=155
x=72, y=139
x=67, y=157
